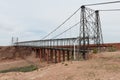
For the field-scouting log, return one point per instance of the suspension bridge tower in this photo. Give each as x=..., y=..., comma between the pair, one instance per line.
x=90, y=30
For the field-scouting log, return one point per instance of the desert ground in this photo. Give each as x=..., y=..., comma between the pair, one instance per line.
x=101, y=66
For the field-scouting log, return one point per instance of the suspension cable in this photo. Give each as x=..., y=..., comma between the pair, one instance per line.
x=102, y=3
x=66, y=30
x=61, y=24
x=110, y=10
x=79, y=9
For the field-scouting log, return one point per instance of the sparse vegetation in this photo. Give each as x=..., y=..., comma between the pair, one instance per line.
x=21, y=69
x=66, y=64
x=112, y=49
x=95, y=50
x=100, y=67
x=112, y=67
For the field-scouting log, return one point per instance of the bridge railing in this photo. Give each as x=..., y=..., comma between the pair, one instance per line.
x=47, y=42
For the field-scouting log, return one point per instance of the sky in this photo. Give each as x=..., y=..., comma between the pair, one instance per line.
x=33, y=19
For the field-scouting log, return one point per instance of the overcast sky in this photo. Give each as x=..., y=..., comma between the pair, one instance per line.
x=33, y=19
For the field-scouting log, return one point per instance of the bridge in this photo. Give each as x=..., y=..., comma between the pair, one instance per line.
x=87, y=36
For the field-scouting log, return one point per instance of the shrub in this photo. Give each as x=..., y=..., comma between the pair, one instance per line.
x=95, y=50
x=21, y=69
x=66, y=64
x=112, y=49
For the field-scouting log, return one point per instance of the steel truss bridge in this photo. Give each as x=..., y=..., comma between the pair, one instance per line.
x=60, y=48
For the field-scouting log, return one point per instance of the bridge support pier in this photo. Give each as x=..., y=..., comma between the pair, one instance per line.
x=47, y=55
x=63, y=52
x=72, y=56
x=68, y=55
x=51, y=55
x=40, y=52
x=59, y=56
x=55, y=56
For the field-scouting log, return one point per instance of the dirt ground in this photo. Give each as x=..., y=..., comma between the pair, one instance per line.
x=5, y=65
x=103, y=66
